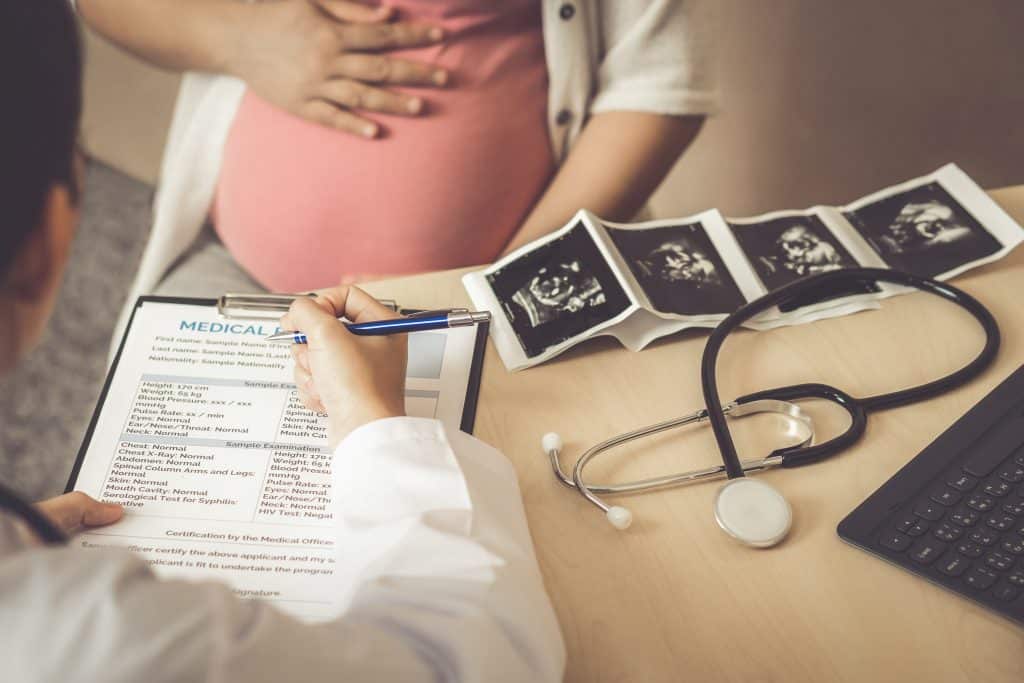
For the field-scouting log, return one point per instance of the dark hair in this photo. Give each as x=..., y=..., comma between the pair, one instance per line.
x=41, y=77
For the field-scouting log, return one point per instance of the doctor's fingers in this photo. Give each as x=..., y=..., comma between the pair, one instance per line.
x=384, y=69
x=354, y=304
x=73, y=511
x=317, y=319
x=306, y=388
x=300, y=354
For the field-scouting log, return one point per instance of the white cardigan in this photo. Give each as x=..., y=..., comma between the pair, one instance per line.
x=602, y=55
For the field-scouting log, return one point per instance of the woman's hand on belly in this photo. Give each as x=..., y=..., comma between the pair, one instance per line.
x=315, y=59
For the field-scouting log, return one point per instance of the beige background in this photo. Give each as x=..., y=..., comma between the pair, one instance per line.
x=823, y=101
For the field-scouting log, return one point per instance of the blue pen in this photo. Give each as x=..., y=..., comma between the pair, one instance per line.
x=417, y=322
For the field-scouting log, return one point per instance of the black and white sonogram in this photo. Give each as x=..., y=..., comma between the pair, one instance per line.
x=558, y=291
x=923, y=231
x=679, y=269
x=791, y=247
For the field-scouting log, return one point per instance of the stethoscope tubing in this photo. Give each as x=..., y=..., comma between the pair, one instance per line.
x=742, y=407
x=858, y=408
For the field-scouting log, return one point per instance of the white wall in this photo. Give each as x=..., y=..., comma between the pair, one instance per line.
x=823, y=101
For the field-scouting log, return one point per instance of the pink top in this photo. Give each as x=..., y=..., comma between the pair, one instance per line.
x=301, y=206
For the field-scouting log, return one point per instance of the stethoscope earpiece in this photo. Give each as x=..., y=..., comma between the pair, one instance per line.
x=619, y=517
x=552, y=444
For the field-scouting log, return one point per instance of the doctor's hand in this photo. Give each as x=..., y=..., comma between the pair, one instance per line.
x=75, y=511
x=354, y=379
x=325, y=60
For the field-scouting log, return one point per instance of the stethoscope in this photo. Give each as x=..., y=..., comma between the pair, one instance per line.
x=750, y=510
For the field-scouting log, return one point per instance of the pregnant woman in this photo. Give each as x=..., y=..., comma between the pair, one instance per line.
x=324, y=141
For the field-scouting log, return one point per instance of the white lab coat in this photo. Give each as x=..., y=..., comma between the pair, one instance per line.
x=439, y=583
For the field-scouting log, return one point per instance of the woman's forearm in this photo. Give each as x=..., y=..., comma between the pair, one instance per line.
x=172, y=34
x=619, y=160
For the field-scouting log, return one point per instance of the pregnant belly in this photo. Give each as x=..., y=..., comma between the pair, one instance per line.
x=301, y=206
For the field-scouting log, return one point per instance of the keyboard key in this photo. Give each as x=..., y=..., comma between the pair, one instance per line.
x=980, y=502
x=1012, y=473
x=980, y=578
x=1013, y=545
x=907, y=522
x=1000, y=522
x=1019, y=458
x=969, y=549
x=1006, y=592
x=927, y=550
x=1014, y=507
x=997, y=488
x=965, y=517
x=953, y=565
x=945, y=496
x=984, y=536
x=894, y=540
x=1016, y=578
x=948, y=532
x=920, y=526
x=993, y=448
x=1000, y=561
x=932, y=511
x=961, y=481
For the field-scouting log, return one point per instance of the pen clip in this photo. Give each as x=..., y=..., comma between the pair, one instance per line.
x=439, y=311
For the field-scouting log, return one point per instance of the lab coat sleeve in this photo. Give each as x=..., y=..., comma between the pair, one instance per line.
x=439, y=580
x=656, y=56
x=437, y=545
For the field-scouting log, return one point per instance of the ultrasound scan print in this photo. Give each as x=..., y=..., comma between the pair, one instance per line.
x=786, y=249
x=558, y=291
x=923, y=230
x=679, y=269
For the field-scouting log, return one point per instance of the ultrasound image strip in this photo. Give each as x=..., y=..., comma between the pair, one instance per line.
x=562, y=290
x=923, y=230
x=787, y=248
x=558, y=291
x=679, y=269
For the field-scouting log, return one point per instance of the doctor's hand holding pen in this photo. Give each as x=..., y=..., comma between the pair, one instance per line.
x=354, y=379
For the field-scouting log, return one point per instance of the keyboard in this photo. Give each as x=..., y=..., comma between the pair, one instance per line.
x=954, y=515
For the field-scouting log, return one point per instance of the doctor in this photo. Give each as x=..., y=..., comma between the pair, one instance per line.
x=442, y=583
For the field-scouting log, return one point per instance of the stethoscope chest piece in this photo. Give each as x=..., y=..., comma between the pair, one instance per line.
x=753, y=512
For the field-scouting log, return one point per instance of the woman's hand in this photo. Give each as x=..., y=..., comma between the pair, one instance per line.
x=315, y=59
x=75, y=511
x=355, y=380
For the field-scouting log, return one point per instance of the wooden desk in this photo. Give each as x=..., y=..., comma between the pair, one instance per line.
x=673, y=598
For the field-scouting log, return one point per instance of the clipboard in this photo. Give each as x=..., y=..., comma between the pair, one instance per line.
x=262, y=307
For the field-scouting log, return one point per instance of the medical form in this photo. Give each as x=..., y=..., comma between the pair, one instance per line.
x=222, y=472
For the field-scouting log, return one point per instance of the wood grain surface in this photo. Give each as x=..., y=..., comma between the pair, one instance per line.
x=673, y=598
